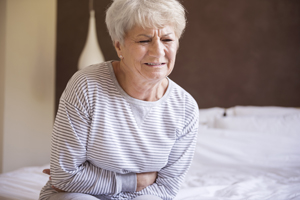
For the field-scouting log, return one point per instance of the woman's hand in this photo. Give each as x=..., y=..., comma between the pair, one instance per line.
x=47, y=171
x=145, y=179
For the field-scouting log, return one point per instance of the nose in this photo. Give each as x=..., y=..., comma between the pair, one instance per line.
x=157, y=48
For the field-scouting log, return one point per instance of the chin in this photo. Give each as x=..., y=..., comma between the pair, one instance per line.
x=157, y=77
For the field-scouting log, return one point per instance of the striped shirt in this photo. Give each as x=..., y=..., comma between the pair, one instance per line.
x=102, y=137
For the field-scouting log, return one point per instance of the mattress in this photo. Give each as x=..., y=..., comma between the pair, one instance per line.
x=243, y=152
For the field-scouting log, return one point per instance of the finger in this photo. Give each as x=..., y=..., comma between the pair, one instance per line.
x=46, y=171
x=58, y=190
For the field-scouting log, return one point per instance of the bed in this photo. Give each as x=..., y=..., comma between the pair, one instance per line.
x=243, y=152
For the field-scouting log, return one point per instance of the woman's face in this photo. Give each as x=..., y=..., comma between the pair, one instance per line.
x=148, y=54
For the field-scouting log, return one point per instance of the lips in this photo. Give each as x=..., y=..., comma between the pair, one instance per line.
x=155, y=63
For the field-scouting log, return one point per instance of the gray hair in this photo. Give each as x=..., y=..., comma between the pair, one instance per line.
x=123, y=15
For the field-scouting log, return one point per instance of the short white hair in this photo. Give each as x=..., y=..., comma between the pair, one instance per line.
x=123, y=15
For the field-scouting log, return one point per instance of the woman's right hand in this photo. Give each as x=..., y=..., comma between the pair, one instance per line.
x=145, y=179
x=47, y=171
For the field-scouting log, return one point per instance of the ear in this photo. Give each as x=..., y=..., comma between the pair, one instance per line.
x=118, y=47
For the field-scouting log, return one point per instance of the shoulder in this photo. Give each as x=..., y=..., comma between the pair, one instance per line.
x=90, y=77
x=92, y=73
x=190, y=111
x=188, y=105
x=85, y=82
x=182, y=96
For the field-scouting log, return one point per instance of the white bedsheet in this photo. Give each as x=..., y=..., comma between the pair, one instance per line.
x=240, y=183
x=233, y=160
x=23, y=184
x=240, y=165
x=202, y=183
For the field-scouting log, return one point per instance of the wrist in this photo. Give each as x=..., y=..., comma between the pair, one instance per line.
x=126, y=182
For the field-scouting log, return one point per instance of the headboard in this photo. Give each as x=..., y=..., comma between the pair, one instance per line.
x=236, y=52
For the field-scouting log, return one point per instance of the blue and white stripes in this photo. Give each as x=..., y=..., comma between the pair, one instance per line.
x=96, y=138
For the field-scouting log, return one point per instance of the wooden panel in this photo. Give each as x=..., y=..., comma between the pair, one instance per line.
x=72, y=27
x=235, y=52
x=241, y=52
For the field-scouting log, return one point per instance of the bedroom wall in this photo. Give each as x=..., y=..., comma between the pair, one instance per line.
x=29, y=68
x=241, y=52
x=2, y=47
x=236, y=52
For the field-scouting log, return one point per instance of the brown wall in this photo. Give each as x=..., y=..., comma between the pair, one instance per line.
x=233, y=52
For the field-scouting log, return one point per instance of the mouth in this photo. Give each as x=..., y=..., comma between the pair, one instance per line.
x=155, y=64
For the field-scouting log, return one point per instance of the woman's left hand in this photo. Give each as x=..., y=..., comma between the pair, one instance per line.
x=47, y=171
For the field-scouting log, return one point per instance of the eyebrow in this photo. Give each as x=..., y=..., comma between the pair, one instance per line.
x=150, y=36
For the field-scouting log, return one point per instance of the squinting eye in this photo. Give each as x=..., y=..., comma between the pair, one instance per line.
x=167, y=40
x=144, y=41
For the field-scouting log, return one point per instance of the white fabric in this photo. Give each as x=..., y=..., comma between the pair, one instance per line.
x=25, y=183
x=247, y=148
x=80, y=196
x=236, y=165
x=72, y=196
x=211, y=182
x=262, y=110
x=147, y=197
x=228, y=165
x=209, y=114
x=285, y=125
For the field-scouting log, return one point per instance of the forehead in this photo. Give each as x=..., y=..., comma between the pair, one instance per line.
x=139, y=31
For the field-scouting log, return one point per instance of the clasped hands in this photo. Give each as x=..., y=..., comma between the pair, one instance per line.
x=143, y=180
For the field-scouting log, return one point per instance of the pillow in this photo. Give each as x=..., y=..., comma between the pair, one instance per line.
x=285, y=125
x=246, y=148
x=207, y=114
x=263, y=110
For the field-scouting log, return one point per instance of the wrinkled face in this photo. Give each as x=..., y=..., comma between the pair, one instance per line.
x=148, y=54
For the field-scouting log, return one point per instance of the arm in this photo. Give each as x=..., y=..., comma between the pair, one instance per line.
x=172, y=175
x=70, y=169
x=143, y=180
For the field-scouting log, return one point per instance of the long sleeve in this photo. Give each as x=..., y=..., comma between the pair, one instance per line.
x=71, y=170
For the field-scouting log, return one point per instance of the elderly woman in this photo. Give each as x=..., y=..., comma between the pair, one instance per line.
x=124, y=130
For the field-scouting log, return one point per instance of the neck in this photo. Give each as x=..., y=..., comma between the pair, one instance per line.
x=139, y=88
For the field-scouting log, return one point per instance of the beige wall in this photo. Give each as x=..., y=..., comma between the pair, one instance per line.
x=2, y=62
x=29, y=66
